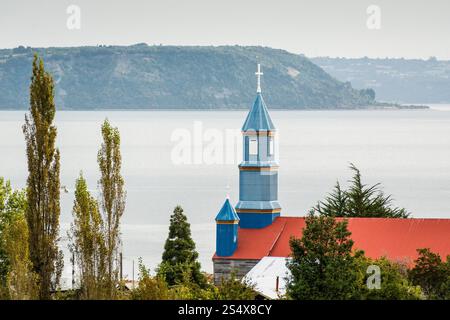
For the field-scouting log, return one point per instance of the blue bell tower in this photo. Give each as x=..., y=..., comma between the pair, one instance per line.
x=226, y=230
x=258, y=204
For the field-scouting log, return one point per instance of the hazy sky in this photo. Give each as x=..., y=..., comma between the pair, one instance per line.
x=408, y=28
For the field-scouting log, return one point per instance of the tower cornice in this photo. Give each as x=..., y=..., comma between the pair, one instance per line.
x=259, y=211
x=269, y=133
x=258, y=168
x=227, y=222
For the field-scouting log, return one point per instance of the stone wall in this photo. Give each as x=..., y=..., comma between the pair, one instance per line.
x=224, y=267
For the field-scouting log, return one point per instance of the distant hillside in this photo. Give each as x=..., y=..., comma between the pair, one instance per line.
x=142, y=76
x=394, y=80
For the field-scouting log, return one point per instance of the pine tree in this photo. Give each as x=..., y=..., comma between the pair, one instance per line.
x=88, y=245
x=359, y=200
x=113, y=196
x=43, y=186
x=179, y=260
x=335, y=204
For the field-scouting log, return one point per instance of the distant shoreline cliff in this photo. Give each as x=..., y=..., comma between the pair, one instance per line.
x=396, y=80
x=173, y=77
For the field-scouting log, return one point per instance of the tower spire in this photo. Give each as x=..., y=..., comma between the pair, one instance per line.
x=258, y=74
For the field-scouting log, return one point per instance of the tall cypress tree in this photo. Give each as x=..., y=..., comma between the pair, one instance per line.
x=179, y=260
x=113, y=196
x=43, y=186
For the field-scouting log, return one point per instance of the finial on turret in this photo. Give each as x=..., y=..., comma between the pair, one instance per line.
x=228, y=191
x=258, y=77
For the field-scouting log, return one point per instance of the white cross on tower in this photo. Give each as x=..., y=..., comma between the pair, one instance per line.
x=258, y=77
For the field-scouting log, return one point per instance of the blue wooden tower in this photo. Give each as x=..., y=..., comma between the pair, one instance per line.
x=258, y=202
x=226, y=230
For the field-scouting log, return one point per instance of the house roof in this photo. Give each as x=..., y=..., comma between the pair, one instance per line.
x=258, y=119
x=396, y=239
x=264, y=277
x=227, y=213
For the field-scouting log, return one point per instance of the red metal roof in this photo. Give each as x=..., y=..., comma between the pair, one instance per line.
x=396, y=239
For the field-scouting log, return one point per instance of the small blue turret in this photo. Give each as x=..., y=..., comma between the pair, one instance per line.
x=226, y=230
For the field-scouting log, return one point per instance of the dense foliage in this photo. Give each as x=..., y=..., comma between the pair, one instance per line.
x=325, y=266
x=322, y=266
x=359, y=200
x=233, y=288
x=156, y=288
x=394, y=282
x=22, y=282
x=150, y=288
x=12, y=203
x=142, y=76
x=17, y=280
x=432, y=274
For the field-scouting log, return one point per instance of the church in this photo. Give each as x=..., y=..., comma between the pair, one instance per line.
x=254, y=235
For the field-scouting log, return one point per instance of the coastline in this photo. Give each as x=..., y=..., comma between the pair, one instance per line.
x=343, y=108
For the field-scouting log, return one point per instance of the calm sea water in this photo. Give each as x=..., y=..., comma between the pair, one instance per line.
x=408, y=151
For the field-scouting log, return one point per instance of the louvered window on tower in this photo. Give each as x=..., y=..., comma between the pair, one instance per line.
x=253, y=147
x=270, y=146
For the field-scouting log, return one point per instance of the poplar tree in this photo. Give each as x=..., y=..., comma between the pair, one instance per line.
x=88, y=245
x=12, y=203
x=22, y=282
x=43, y=185
x=112, y=196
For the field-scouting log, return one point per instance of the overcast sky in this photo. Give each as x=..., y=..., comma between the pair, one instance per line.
x=408, y=28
